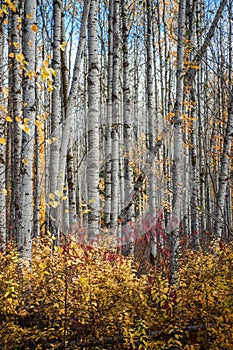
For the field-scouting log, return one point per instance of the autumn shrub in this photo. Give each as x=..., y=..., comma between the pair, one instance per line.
x=74, y=297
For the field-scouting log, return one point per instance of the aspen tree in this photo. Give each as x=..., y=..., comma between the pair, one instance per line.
x=56, y=118
x=93, y=124
x=16, y=113
x=115, y=118
x=68, y=117
x=127, y=109
x=151, y=122
x=3, y=191
x=224, y=172
x=177, y=162
x=108, y=142
x=24, y=236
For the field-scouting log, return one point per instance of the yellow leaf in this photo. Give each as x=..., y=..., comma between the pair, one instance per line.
x=37, y=123
x=25, y=128
x=8, y=119
x=50, y=88
x=29, y=16
x=16, y=44
x=54, y=204
x=49, y=141
x=2, y=141
x=5, y=91
x=11, y=55
x=51, y=196
x=5, y=21
x=4, y=9
x=63, y=46
x=18, y=119
x=86, y=211
x=25, y=161
x=4, y=191
x=43, y=265
x=35, y=27
x=58, y=193
x=20, y=57
x=7, y=293
x=46, y=63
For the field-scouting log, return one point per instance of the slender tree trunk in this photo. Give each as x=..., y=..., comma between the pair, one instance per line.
x=225, y=162
x=115, y=119
x=178, y=135
x=71, y=180
x=56, y=120
x=56, y=99
x=195, y=177
x=151, y=124
x=29, y=110
x=3, y=191
x=127, y=115
x=224, y=174
x=67, y=122
x=16, y=104
x=93, y=124
x=108, y=143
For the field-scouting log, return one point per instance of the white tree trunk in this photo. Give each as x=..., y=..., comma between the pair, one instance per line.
x=56, y=117
x=224, y=175
x=16, y=105
x=108, y=143
x=127, y=113
x=56, y=120
x=115, y=120
x=67, y=123
x=29, y=101
x=178, y=139
x=3, y=192
x=93, y=124
x=151, y=126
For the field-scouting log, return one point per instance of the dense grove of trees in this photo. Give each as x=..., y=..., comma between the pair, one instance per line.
x=117, y=121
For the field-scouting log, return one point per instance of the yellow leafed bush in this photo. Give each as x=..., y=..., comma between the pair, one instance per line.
x=75, y=297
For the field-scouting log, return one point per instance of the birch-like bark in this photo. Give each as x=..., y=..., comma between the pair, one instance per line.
x=225, y=162
x=67, y=123
x=71, y=218
x=16, y=105
x=115, y=118
x=93, y=124
x=55, y=127
x=127, y=115
x=2, y=153
x=151, y=126
x=29, y=110
x=190, y=74
x=194, y=180
x=195, y=177
x=177, y=162
x=56, y=99
x=108, y=142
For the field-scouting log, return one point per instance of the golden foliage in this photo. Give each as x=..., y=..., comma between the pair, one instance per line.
x=77, y=297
